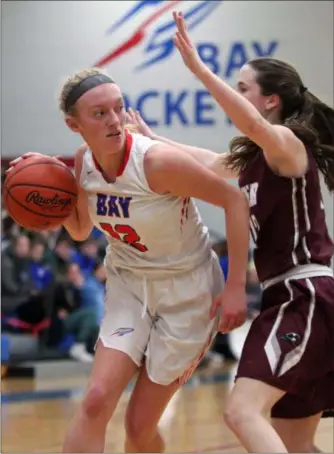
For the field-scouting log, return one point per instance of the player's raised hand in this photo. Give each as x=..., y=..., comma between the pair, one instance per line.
x=136, y=119
x=185, y=46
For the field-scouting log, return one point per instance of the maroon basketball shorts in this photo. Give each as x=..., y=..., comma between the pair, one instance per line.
x=290, y=345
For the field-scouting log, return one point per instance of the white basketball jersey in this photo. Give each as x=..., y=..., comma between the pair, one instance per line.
x=149, y=233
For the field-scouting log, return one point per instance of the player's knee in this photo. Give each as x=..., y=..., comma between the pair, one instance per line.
x=238, y=411
x=96, y=403
x=235, y=414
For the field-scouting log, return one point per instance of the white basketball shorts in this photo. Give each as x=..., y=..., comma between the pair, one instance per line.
x=163, y=321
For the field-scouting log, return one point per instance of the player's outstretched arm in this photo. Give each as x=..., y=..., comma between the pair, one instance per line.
x=208, y=158
x=179, y=174
x=284, y=152
x=79, y=224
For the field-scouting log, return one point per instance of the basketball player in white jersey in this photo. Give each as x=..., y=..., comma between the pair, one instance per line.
x=164, y=283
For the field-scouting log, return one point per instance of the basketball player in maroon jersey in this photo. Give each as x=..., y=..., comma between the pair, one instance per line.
x=297, y=433
x=287, y=364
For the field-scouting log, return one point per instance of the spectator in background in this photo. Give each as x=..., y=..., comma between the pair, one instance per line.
x=101, y=242
x=76, y=314
x=9, y=230
x=90, y=290
x=63, y=253
x=50, y=239
x=15, y=283
x=19, y=294
x=40, y=272
x=87, y=256
x=93, y=291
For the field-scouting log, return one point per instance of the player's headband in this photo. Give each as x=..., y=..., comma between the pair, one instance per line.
x=82, y=87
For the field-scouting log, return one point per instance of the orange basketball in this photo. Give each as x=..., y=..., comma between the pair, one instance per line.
x=40, y=193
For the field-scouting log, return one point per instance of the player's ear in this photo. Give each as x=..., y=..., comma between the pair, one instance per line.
x=72, y=123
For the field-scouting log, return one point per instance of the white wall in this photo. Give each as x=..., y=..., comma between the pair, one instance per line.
x=45, y=41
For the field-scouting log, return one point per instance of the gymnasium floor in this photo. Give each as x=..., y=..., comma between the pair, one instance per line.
x=35, y=414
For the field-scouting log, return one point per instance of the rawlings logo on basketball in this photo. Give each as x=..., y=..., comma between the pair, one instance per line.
x=54, y=202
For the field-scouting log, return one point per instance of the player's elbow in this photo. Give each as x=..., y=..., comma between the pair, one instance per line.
x=81, y=231
x=79, y=235
x=78, y=229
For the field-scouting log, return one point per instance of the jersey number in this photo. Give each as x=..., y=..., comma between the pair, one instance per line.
x=124, y=233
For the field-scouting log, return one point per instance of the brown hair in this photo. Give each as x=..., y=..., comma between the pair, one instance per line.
x=309, y=118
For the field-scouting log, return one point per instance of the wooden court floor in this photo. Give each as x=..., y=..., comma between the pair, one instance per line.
x=35, y=415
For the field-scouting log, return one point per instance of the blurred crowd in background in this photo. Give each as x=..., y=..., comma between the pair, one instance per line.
x=53, y=288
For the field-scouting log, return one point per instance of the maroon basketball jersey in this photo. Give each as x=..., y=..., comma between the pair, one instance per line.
x=287, y=223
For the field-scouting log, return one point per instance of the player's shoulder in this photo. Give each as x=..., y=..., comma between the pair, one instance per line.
x=145, y=149
x=165, y=157
x=141, y=142
x=81, y=151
